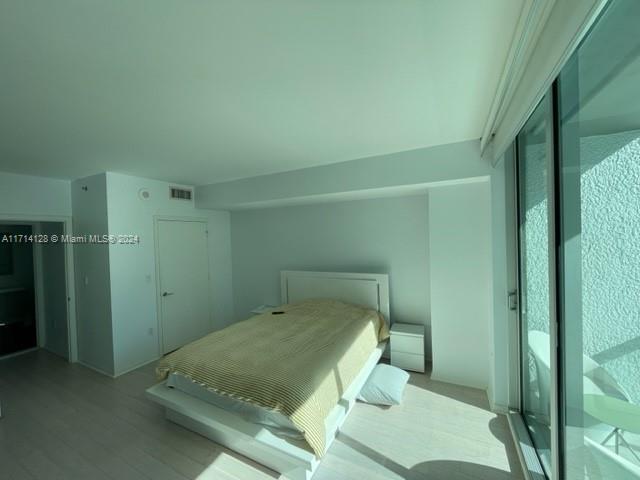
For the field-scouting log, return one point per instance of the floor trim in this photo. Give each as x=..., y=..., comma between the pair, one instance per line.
x=131, y=369
x=95, y=369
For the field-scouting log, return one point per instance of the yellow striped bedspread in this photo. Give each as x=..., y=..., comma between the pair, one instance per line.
x=298, y=363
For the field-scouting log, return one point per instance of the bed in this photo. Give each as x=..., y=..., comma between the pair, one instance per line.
x=277, y=388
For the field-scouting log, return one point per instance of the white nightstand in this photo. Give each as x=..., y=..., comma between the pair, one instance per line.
x=407, y=346
x=262, y=309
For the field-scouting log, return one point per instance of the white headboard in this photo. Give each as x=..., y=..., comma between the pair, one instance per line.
x=366, y=289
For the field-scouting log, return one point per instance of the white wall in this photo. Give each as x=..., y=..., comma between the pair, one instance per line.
x=461, y=278
x=116, y=284
x=93, y=286
x=132, y=267
x=387, y=235
x=34, y=196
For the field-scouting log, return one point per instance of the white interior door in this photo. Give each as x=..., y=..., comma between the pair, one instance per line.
x=183, y=264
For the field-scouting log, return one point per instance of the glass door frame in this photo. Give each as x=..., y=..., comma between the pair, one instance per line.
x=555, y=390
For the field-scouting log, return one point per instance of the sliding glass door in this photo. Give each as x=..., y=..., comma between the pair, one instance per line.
x=534, y=148
x=578, y=164
x=599, y=177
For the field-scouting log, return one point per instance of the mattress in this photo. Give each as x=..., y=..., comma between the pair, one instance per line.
x=298, y=363
x=274, y=421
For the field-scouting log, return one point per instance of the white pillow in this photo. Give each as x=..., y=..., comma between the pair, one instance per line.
x=384, y=386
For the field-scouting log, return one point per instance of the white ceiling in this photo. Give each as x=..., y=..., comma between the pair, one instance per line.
x=203, y=91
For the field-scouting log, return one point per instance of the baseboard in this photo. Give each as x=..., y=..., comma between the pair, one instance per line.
x=131, y=369
x=460, y=383
x=95, y=369
x=116, y=374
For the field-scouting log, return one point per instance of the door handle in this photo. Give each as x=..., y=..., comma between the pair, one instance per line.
x=512, y=300
x=166, y=294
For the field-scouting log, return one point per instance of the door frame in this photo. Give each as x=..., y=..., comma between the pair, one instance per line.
x=156, y=253
x=67, y=223
x=555, y=347
x=513, y=275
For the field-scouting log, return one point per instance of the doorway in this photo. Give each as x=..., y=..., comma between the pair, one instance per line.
x=34, y=300
x=182, y=263
x=18, y=330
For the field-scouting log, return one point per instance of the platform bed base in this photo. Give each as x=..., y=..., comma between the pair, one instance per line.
x=292, y=459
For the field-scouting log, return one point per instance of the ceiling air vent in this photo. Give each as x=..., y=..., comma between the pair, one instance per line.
x=180, y=193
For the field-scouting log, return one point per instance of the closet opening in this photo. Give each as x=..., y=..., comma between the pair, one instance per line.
x=33, y=288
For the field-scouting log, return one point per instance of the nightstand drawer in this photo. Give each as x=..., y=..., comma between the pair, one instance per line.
x=407, y=344
x=407, y=361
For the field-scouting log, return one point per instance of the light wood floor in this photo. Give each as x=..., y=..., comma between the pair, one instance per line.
x=64, y=421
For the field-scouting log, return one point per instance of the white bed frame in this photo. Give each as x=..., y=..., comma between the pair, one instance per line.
x=293, y=460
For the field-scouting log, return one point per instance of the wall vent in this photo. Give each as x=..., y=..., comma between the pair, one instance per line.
x=180, y=193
